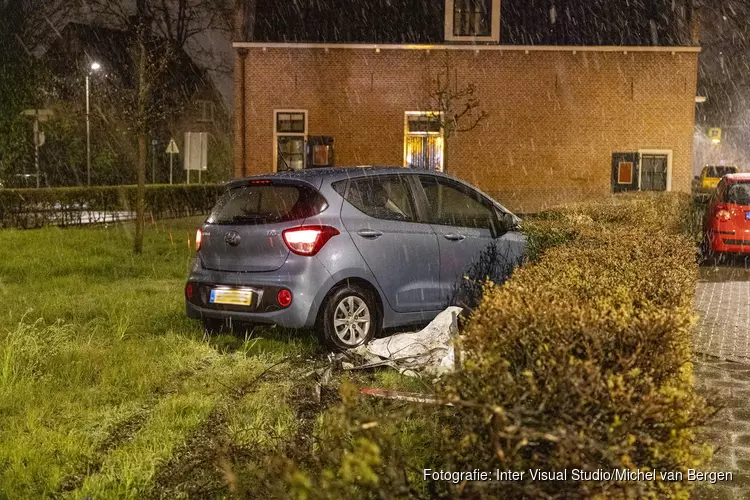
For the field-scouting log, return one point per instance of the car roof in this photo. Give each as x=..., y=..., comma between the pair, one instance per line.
x=745, y=176
x=334, y=173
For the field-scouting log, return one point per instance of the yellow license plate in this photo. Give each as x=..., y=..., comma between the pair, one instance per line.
x=231, y=297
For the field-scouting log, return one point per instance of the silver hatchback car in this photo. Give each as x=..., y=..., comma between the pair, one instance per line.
x=345, y=250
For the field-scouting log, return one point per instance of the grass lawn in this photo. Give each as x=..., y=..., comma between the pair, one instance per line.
x=107, y=389
x=104, y=381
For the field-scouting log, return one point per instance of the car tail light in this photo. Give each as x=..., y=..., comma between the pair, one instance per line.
x=198, y=238
x=284, y=298
x=308, y=240
x=189, y=291
x=723, y=215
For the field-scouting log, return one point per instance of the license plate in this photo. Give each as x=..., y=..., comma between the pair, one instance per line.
x=231, y=297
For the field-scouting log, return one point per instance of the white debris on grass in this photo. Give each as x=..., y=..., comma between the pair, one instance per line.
x=429, y=350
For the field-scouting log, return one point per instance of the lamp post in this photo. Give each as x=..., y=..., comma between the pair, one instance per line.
x=95, y=66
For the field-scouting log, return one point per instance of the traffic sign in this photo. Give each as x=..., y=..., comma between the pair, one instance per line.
x=172, y=148
x=715, y=135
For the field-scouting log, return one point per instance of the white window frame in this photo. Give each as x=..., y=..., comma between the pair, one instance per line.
x=661, y=152
x=407, y=133
x=494, y=23
x=276, y=134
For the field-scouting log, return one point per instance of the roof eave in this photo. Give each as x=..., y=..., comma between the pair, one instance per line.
x=473, y=47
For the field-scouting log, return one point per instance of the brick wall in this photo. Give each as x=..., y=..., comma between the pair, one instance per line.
x=555, y=118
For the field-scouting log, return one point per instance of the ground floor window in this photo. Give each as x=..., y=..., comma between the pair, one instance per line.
x=645, y=170
x=423, y=140
x=290, y=130
x=654, y=169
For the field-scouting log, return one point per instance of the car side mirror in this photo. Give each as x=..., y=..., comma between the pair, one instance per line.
x=504, y=223
x=510, y=222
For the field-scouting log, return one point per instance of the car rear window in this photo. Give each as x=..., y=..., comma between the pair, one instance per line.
x=719, y=172
x=267, y=204
x=739, y=193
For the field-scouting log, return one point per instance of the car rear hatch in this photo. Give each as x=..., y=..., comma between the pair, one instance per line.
x=244, y=231
x=738, y=205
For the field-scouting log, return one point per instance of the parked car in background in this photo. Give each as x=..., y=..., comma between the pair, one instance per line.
x=345, y=250
x=710, y=177
x=727, y=222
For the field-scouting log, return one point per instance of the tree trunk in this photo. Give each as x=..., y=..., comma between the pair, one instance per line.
x=140, y=191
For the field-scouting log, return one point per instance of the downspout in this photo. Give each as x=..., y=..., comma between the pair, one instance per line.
x=243, y=110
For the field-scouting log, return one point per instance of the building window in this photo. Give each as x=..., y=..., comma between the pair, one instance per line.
x=423, y=140
x=290, y=131
x=205, y=111
x=472, y=20
x=472, y=17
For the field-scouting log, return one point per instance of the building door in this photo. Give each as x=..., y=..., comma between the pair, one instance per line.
x=654, y=168
x=423, y=141
x=290, y=130
x=625, y=172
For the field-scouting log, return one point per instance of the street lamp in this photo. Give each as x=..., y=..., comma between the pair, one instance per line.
x=95, y=66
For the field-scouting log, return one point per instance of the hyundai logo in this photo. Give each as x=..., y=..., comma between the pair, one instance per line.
x=233, y=238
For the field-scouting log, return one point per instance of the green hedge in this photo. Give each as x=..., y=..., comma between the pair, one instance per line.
x=582, y=359
x=34, y=208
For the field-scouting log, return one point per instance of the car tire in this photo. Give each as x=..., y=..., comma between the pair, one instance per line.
x=350, y=317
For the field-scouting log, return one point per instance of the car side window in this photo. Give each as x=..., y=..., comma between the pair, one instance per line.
x=455, y=205
x=382, y=197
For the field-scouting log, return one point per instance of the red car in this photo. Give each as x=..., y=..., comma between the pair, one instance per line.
x=727, y=223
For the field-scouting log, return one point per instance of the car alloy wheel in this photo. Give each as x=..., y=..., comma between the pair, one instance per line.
x=352, y=321
x=350, y=317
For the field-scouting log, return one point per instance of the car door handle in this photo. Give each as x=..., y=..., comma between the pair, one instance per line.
x=454, y=237
x=369, y=234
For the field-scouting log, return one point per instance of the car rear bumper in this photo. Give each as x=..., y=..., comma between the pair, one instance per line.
x=305, y=277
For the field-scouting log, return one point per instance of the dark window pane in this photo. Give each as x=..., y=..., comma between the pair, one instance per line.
x=654, y=172
x=291, y=153
x=472, y=17
x=424, y=124
x=290, y=122
x=381, y=197
x=718, y=172
x=739, y=193
x=452, y=205
x=266, y=204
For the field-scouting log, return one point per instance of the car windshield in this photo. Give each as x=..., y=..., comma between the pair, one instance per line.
x=719, y=172
x=739, y=193
x=266, y=204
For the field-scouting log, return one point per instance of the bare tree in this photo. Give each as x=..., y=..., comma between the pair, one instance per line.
x=164, y=31
x=456, y=105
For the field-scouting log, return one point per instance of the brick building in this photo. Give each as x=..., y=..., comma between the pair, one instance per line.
x=564, y=122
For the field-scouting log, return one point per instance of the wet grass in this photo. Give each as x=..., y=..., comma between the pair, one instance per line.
x=107, y=390
x=102, y=377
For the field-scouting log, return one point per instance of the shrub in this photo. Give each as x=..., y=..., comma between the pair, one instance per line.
x=492, y=265
x=582, y=359
x=34, y=208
